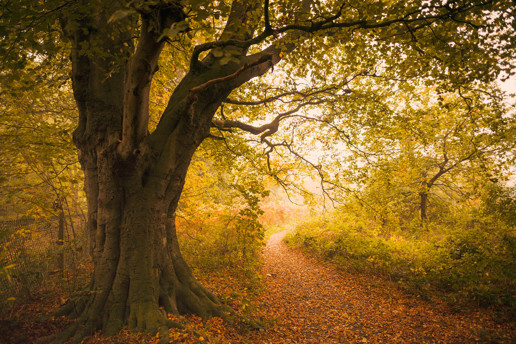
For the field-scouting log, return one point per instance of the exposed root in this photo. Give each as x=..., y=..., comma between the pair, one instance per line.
x=143, y=316
x=146, y=316
x=73, y=308
x=198, y=300
x=64, y=336
x=139, y=293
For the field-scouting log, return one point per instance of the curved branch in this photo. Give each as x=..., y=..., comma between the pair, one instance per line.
x=231, y=76
x=266, y=129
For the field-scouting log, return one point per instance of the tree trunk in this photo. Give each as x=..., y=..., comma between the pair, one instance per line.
x=60, y=240
x=139, y=272
x=423, y=206
x=132, y=194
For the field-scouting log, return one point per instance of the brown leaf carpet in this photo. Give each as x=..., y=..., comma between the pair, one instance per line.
x=313, y=302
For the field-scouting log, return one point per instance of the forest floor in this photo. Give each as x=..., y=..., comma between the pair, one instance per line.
x=303, y=300
x=314, y=302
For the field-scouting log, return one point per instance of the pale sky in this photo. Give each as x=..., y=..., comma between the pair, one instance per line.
x=509, y=85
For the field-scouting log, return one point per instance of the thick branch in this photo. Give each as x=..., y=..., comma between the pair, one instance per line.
x=243, y=44
x=142, y=67
x=239, y=27
x=97, y=78
x=229, y=77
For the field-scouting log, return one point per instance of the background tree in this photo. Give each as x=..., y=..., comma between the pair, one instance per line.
x=439, y=140
x=134, y=176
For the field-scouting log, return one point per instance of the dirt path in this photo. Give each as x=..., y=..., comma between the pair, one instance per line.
x=314, y=303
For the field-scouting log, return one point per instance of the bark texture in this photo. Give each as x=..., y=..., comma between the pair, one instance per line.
x=139, y=273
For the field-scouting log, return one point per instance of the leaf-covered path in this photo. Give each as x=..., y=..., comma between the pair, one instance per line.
x=312, y=302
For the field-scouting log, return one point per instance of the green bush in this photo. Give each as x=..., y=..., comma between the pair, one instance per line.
x=467, y=259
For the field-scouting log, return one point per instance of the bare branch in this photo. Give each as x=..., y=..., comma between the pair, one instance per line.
x=280, y=96
x=366, y=155
x=266, y=129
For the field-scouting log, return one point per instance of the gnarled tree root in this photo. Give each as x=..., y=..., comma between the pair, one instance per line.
x=142, y=316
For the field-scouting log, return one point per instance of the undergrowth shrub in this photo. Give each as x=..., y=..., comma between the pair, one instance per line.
x=226, y=239
x=33, y=266
x=466, y=259
x=24, y=269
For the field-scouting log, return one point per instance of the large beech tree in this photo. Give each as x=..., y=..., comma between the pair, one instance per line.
x=134, y=176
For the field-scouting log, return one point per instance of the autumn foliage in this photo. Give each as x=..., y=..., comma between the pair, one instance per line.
x=155, y=153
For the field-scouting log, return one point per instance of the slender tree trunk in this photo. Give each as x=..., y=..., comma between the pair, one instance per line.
x=426, y=186
x=423, y=206
x=60, y=240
